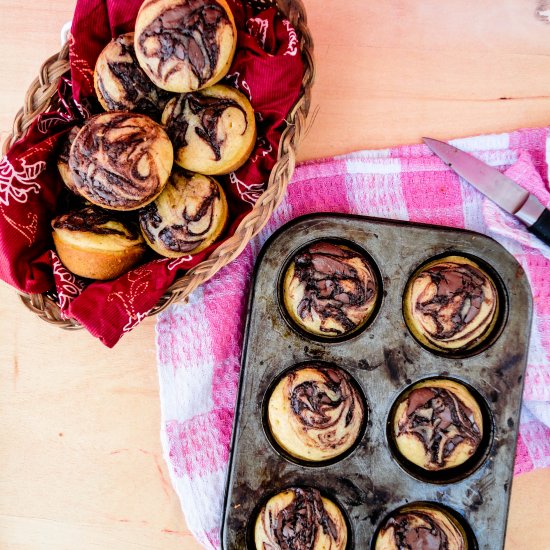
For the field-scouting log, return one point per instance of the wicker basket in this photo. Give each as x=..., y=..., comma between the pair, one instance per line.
x=44, y=88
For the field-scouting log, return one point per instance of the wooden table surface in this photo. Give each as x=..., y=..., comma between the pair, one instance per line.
x=80, y=457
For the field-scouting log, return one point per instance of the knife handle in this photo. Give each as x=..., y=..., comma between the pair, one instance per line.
x=541, y=228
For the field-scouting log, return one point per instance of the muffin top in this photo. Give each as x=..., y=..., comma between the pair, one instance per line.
x=121, y=161
x=438, y=424
x=329, y=289
x=421, y=527
x=300, y=519
x=451, y=304
x=315, y=412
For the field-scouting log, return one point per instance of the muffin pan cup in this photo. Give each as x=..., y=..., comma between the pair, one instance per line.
x=384, y=359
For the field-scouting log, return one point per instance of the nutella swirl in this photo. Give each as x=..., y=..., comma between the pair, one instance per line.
x=187, y=217
x=442, y=422
x=330, y=289
x=92, y=219
x=300, y=519
x=315, y=412
x=183, y=38
x=423, y=528
x=122, y=84
x=453, y=304
x=207, y=111
x=121, y=161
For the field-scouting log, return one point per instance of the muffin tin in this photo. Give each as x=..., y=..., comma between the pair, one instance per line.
x=384, y=359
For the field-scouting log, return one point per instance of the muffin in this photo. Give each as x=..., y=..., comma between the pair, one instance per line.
x=91, y=243
x=213, y=130
x=329, y=289
x=421, y=527
x=451, y=305
x=185, y=45
x=188, y=216
x=121, y=161
x=437, y=425
x=63, y=159
x=122, y=85
x=315, y=412
x=300, y=519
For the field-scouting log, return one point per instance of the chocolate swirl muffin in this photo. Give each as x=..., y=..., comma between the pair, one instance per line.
x=300, y=519
x=63, y=159
x=213, y=130
x=315, y=412
x=188, y=216
x=92, y=243
x=421, y=526
x=122, y=85
x=329, y=289
x=438, y=425
x=451, y=304
x=185, y=45
x=121, y=161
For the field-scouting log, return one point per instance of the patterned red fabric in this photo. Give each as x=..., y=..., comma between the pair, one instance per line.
x=267, y=68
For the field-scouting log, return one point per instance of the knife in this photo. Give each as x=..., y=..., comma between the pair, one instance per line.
x=495, y=185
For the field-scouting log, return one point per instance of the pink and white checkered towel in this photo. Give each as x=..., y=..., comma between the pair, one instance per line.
x=199, y=343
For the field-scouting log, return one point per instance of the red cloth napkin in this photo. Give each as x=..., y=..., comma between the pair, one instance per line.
x=267, y=68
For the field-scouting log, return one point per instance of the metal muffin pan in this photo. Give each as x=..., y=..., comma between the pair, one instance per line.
x=384, y=359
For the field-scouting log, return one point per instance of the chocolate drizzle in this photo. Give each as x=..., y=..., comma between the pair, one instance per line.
x=458, y=298
x=332, y=285
x=209, y=110
x=415, y=530
x=92, y=219
x=113, y=160
x=184, y=226
x=137, y=93
x=312, y=403
x=185, y=36
x=296, y=527
x=441, y=421
x=316, y=412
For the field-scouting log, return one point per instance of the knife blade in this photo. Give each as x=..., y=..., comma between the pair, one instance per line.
x=498, y=187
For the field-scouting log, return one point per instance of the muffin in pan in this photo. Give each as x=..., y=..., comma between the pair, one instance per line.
x=92, y=243
x=213, y=130
x=421, y=527
x=185, y=45
x=121, y=161
x=451, y=305
x=329, y=289
x=122, y=85
x=300, y=519
x=437, y=424
x=315, y=412
x=189, y=215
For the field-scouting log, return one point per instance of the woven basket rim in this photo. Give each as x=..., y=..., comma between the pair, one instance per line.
x=44, y=88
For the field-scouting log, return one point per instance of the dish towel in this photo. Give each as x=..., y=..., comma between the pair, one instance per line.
x=199, y=343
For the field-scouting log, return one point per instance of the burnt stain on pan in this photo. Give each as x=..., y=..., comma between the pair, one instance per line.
x=508, y=364
x=391, y=362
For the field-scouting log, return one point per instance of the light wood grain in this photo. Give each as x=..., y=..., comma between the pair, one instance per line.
x=80, y=456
